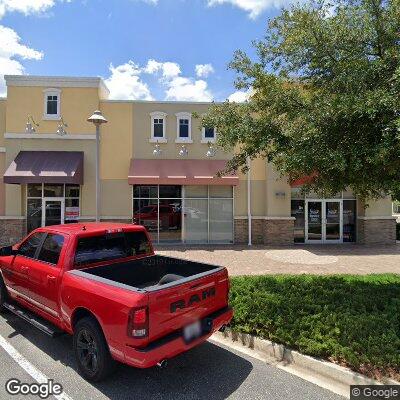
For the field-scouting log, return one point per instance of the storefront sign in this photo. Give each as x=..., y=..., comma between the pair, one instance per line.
x=71, y=213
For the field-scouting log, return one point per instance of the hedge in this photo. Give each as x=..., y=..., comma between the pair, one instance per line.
x=350, y=320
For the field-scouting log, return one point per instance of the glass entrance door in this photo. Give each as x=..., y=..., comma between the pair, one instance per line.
x=333, y=221
x=53, y=212
x=324, y=221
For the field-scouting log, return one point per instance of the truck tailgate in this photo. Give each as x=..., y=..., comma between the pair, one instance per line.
x=175, y=307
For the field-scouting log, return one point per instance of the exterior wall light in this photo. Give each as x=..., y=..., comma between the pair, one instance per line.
x=211, y=150
x=183, y=152
x=157, y=152
x=30, y=125
x=61, y=128
x=97, y=119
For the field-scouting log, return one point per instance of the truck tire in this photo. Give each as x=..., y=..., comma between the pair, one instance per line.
x=91, y=350
x=3, y=295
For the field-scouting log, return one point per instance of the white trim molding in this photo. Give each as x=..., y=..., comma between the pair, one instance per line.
x=179, y=116
x=208, y=140
x=2, y=149
x=10, y=217
x=51, y=92
x=8, y=135
x=158, y=115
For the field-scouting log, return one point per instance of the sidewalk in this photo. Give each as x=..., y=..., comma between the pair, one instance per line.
x=303, y=259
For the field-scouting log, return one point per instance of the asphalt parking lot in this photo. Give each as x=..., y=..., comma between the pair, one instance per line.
x=209, y=371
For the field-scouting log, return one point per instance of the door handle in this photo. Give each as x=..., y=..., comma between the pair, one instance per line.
x=51, y=278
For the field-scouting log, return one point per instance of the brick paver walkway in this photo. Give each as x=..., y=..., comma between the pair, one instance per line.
x=328, y=259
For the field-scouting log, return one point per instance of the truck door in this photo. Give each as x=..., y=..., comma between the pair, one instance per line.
x=17, y=276
x=45, y=274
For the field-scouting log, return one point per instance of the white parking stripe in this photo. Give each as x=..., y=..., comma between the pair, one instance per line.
x=37, y=375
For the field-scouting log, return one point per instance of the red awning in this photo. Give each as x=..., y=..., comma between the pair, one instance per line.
x=46, y=167
x=179, y=172
x=304, y=180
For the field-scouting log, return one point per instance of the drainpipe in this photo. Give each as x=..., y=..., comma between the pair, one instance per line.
x=249, y=198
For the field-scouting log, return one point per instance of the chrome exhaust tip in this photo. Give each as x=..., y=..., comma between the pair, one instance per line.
x=162, y=364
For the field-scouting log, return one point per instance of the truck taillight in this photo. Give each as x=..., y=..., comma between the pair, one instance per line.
x=138, y=323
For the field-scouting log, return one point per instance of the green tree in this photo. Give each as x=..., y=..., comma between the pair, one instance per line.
x=325, y=98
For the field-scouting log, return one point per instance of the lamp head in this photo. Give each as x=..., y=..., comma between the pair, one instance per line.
x=97, y=118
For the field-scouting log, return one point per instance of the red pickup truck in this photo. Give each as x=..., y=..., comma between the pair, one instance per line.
x=103, y=284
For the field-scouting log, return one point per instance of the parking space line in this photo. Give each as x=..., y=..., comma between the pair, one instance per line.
x=37, y=375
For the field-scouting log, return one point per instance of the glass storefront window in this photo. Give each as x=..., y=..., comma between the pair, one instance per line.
x=145, y=191
x=65, y=209
x=34, y=214
x=72, y=191
x=170, y=192
x=193, y=192
x=221, y=192
x=53, y=190
x=196, y=220
x=349, y=220
x=299, y=223
x=145, y=212
x=207, y=215
x=221, y=229
x=35, y=190
x=170, y=220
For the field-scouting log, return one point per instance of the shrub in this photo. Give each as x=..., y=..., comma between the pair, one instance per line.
x=351, y=320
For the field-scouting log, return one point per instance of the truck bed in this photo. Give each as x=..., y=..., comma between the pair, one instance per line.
x=151, y=273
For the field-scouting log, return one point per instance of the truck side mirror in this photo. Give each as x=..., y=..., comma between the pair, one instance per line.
x=8, y=251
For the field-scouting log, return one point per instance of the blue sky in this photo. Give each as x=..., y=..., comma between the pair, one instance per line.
x=144, y=49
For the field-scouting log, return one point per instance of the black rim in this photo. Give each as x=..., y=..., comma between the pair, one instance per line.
x=87, y=351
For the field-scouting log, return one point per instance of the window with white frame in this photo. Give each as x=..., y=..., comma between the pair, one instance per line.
x=158, y=127
x=184, y=127
x=52, y=99
x=208, y=135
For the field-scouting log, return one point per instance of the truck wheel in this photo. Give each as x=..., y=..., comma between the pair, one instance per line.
x=91, y=350
x=3, y=295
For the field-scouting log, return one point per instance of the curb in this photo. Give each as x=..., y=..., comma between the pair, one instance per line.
x=323, y=373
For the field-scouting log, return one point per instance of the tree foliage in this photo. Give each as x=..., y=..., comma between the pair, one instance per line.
x=325, y=98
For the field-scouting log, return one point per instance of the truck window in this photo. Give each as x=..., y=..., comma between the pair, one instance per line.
x=51, y=249
x=137, y=243
x=110, y=246
x=29, y=246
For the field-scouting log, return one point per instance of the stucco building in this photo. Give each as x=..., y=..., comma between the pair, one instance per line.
x=158, y=168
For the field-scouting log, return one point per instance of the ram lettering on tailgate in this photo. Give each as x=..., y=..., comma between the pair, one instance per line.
x=195, y=298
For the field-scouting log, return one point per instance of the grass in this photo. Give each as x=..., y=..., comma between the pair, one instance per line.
x=351, y=320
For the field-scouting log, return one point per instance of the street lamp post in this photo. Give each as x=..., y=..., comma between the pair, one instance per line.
x=97, y=119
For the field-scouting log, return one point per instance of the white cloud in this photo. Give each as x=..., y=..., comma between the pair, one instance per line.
x=168, y=69
x=253, y=7
x=125, y=83
x=203, y=70
x=239, y=96
x=188, y=89
x=10, y=47
x=25, y=6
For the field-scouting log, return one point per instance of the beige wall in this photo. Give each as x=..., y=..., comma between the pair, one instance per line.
x=77, y=104
x=142, y=148
x=3, y=105
x=124, y=137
